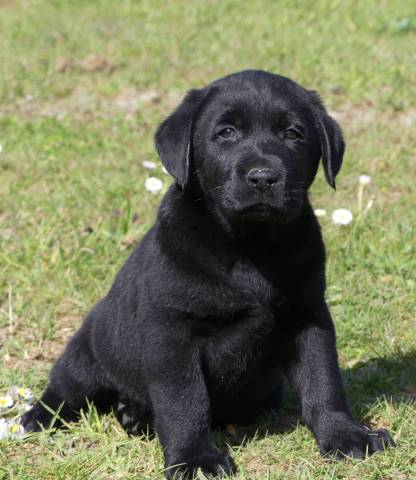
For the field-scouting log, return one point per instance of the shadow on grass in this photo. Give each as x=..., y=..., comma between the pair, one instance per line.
x=391, y=379
x=384, y=378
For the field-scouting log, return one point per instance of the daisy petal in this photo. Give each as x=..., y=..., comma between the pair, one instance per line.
x=149, y=165
x=4, y=429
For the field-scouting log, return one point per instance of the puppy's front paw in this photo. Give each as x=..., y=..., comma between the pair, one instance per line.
x=211, y=464
x=36, y=418
x=343, y=437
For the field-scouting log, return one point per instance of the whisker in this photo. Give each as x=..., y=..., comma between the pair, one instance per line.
x=211, y=190
x=215, y=188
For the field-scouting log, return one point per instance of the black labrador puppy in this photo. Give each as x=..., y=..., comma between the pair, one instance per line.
x=224, y=296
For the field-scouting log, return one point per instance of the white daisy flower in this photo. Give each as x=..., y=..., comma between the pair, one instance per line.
x=153, y=185
x=20, y=392
x=319, y=212
x=15, y=429
x=149, y=165
x=364, y=179
x=24, y=393
x=10, y=428
x=341, y=216
x=6, y=401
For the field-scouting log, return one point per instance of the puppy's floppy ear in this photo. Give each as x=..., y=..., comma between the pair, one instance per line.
x=330, y=136
x=174, y=137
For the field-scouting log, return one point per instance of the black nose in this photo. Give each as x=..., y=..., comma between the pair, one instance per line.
x=262, y=178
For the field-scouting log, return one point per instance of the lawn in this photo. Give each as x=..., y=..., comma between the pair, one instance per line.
x=83, y=86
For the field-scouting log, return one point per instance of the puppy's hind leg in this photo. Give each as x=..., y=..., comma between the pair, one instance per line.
x=75, y=378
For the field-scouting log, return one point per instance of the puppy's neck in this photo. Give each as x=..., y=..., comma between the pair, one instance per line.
x=270, y=233
x=240, y=231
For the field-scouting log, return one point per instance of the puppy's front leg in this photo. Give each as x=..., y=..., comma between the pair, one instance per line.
x=181, y=406
x=314, y=373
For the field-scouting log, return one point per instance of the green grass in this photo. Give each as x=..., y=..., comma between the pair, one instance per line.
x=83, y=86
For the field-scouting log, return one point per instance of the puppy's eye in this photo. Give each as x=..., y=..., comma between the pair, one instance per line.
x=228, y=132
x=292, y=134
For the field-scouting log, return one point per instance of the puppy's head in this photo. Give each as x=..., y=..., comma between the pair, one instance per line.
x=253, y=141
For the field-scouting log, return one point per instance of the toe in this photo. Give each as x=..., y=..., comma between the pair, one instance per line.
x=379, y=440
x=357, y=453
x=29, y=422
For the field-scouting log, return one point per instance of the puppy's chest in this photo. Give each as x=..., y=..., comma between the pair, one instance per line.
x=237, y=350
x=238, y=343
x=257, y=284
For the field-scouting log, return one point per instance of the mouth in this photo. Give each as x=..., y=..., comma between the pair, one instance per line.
x=260, y=212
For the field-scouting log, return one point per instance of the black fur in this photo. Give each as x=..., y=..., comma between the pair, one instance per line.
x=224, y=296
